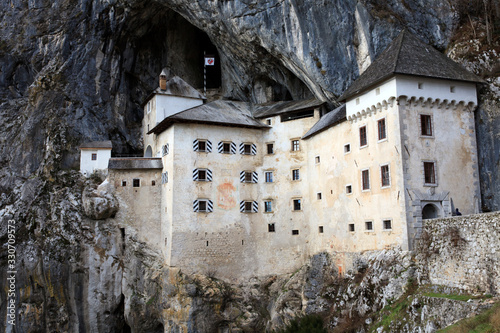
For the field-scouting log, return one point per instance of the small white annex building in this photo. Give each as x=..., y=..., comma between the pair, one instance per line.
x=95, y=156
x=247, y=189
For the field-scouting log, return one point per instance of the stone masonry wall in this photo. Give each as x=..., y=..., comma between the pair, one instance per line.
x=463, y=251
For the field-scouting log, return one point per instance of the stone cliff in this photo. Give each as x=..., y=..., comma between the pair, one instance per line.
x=77, y=70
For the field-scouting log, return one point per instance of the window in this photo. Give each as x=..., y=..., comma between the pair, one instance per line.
x=164, y=150
x=200, y=146
x=149, y=107
x=381, y=129
x=384, y=176
x=269, y=176
x=248, y=149
x=365, y=179
x=377, y=91
x=369, y=226
x=420, y=85
x=124, y=183
x=295, y=174
x=297, y=204
x=271, y=227
x=164, y=177
x=295, y=145
x=429, y=173
x=226, y=147
x=317, y=159
x=347, y=148
x=320, y=229
x=153, y=183
x=452, y=89
x=248, y=177
x=318, y=195
x=357, y=101
x=426, y=125
x=202, y=175
x=94, y=157
x=387, y=224
x=270, y=148
x=351, y=227
x=268, y=206
x=203, y=206
x=249, y=206
x=295, y=232
x=362, y=137
x=348, y=189
x=269, y=121
x=136, y=182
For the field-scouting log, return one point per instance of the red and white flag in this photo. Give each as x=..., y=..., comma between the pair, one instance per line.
x=209, y=61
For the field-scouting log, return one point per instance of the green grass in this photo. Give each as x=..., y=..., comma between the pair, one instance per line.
x=455, y=297
x=392, y=313
x=486, y=322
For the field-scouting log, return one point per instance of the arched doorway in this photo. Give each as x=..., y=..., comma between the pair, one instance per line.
x=430, y=211
x=149, y=152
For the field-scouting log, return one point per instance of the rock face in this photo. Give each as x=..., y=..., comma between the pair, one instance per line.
x=99, y=204
x=78, y=70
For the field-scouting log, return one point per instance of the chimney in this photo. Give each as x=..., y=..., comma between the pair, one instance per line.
x=163, y=80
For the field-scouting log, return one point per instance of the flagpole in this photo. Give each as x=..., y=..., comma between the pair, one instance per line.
x=204, y=73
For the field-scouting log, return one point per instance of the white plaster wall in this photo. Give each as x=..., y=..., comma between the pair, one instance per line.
x=87, y=166
x=387, y=89
x=167, y=105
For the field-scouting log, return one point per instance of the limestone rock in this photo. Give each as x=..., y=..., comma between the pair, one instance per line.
x=100, y=203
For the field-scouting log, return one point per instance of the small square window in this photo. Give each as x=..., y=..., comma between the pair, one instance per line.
x=202, y=206
x=429, y=173
x=247, y=149
x=363, y=141
x=268, y=206
x=318, y=195
x=384, y=175
x=347, y=148
x=269, y=176
x=269, y=121
x=226, y=148
x=365, y=176
x=320, y=229
x=136, y=182
x=202, y=146
x=369, y=226
x=452, y=89
x=317, y=160
x=94, y=157
x=387, y=224
x=270, y=148
x=248, y=206
x=297, y=204
x=295, y=174
x=348, y=189
x=426, y=125
x=351, y=227
x=124, y=183
x=377, y=91
x=271, y=227
x=248, y=177
x=295, y=232
x=381, y=129
x=202, y=175
x=357, y=101
x=295, y=145
x=420, y=85
x=153, y=183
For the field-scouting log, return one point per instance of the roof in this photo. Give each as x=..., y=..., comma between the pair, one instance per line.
x=97, y=145
x=176, y=87
x=220, y=112
x=408, y=55
x=135, y=163
x=328, y=120
x=276, y=108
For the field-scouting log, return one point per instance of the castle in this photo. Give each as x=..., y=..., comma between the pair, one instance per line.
x=250, y=190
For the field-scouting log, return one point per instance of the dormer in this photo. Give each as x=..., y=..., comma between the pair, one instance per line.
x=415, y=70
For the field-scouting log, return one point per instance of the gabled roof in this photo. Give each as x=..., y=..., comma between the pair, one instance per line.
x=135, y=163
x=220, y=112
x=97, y=145
x=328, y=120
x=276, y=108
x=176, y=87
x=409, y=55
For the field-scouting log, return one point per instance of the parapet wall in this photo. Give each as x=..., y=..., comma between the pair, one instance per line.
x=463, y=251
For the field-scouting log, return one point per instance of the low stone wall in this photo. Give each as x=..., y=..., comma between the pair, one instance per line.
x=463, y=252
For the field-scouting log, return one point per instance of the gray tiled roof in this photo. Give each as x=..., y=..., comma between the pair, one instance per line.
x=328, y=120
x=97, y=145
x=176, y=87
x=276, y=108
x=135, y=163
x=220, y=112
x=409, y=55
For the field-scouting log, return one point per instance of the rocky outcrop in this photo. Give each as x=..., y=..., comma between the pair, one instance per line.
x=100, y=203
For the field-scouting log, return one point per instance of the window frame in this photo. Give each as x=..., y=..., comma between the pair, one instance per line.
x=295, y=232
x=384, y=122
x=434, y=172
x=369, y=223
x=348, y=146
x=124, y=183
x=93, y=157
x=295, y=202
x=266, y=204
x=363, y=188
x=270, y=144
x=350, y=189
x=138, y=180
x=266, y=173
x=351, y=227
x=382, y=185
x=271, y=227
x=319, y=196
x=204, y=142
x=295, y=144
x=321, y=229
x=317, y=159
x=245, y=146
x=363, y=136
x=224, y=151
x=384, y=225
x=295, y=174
x=422, y=126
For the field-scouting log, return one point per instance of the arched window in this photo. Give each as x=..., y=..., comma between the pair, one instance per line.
x=149, y=152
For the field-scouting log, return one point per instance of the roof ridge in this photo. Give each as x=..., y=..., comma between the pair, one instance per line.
x=401, y=36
